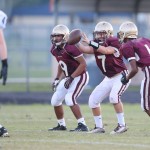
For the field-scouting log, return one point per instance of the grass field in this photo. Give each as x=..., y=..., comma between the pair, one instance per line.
x=42, y=87
x=28, y=124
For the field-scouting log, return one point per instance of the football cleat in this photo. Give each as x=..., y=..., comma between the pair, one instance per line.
x=80, y=128
x=3, y=132
x=58, y=128
x=119, y=129
x=97, y=130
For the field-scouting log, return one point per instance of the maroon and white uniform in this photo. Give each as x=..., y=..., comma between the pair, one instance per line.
x=139, y=49
x=66, y=58
x=112, y=66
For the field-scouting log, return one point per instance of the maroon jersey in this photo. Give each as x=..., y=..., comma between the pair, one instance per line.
x=111, y=64
x=66, y=58
x=138, y=49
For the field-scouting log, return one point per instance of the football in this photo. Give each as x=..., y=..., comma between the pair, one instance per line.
x=74, y=36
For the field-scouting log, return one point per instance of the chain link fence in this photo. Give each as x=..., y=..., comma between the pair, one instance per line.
x=29, y=57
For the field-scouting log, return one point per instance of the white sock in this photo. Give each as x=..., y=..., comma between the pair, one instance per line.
x=120, y=117
x=81, y=120
x=98, y=121
x=1, y=126
x=62, y=122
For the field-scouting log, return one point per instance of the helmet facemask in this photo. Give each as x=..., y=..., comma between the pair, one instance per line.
x=101, y=36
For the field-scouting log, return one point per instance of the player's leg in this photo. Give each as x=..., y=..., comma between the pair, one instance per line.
x=74, y=91
x=56, y=101
x=116, y=92
x=3, y=131
x=145, y=91
x=96, y=97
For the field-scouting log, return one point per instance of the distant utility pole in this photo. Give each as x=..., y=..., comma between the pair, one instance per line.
x=54, y=7
x=56, y=11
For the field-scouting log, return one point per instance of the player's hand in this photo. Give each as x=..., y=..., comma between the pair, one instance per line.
x=55, y=84
x=3, y=72
x=124, y=79
x=68, y=82
x=85, y=39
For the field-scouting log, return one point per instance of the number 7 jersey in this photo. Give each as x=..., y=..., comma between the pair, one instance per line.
x=110, y=64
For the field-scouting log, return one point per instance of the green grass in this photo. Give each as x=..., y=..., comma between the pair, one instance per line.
x=28, y=124
x=22, y=87
x=42, y=87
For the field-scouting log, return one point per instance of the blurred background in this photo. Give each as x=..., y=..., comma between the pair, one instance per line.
x=30, y=22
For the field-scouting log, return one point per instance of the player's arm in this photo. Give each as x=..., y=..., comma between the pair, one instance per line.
x=3, y=48
x=60, y=73
x=77, y=72
x=95, y=46
x=134, y=69
x=106, y=50
x=3, y=56
x=59, y=76
x=84, y=48
x=81, y=67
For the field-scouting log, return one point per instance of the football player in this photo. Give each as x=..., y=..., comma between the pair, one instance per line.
x=109, y=60
x=72, y=65
x=3, y=56
x=137, y=52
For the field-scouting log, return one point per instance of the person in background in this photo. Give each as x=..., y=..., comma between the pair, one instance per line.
x=137, y=52
x=71, y=65
x=3, y=57
x=109, y=60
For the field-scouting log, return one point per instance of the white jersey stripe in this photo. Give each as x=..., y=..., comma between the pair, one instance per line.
x=123, y=87
x=146, y=90
x=85, y=83
x=81, y=86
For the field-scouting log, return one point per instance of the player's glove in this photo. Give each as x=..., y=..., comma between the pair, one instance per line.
x=124, y=79
x=68, y=82
x=3, y=72
x=55, y=84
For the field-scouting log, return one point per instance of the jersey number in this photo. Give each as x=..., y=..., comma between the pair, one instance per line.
x=103, y=57
x=63, y=67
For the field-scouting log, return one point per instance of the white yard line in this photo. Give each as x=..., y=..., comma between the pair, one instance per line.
x=81, y=142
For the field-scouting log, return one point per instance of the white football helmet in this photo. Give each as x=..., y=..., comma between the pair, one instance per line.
x=127, y=30
x=60, y=30
x=103, y=27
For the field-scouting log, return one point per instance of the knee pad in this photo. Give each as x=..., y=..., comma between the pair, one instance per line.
x=114, y=99
x=93, y=103
x=55, y=100
x=68, y=100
